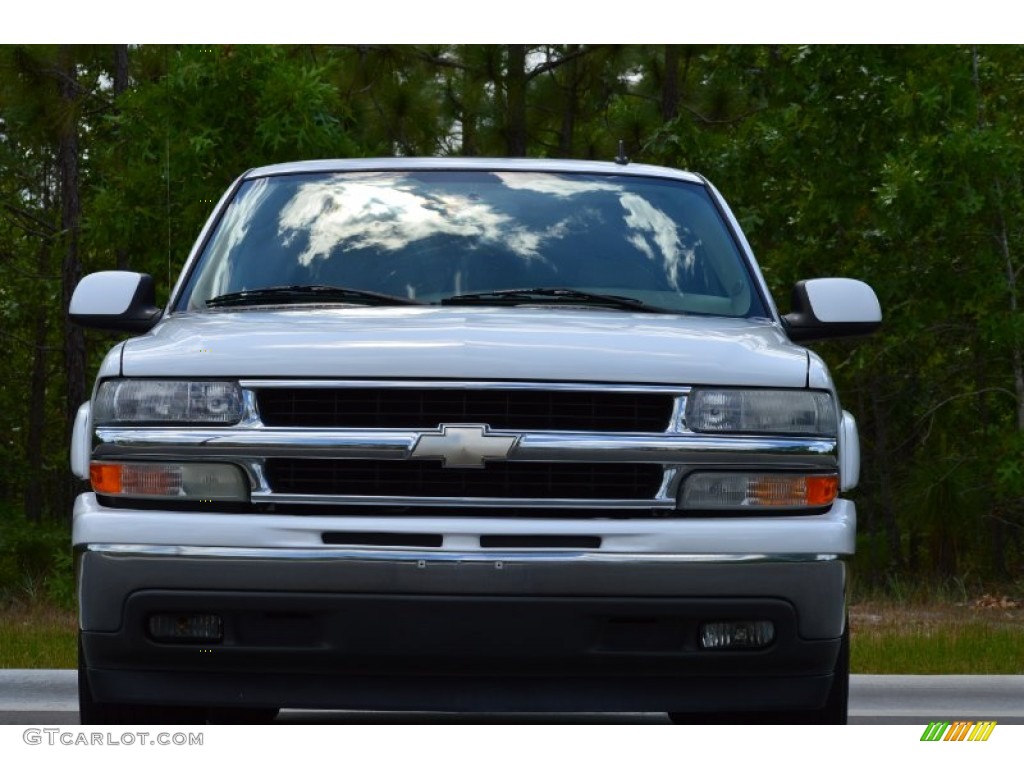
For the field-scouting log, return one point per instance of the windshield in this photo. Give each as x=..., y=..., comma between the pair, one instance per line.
x=429, y=236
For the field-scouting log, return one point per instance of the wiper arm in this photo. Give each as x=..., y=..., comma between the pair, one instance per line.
x=306, y=294
x=553, y=296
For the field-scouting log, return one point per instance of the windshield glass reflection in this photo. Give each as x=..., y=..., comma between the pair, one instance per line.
x=431, y=235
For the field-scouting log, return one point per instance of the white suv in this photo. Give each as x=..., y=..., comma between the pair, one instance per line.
x=425, y=434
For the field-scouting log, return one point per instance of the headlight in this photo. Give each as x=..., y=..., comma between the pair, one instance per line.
x=764, y=411
x=152, y=401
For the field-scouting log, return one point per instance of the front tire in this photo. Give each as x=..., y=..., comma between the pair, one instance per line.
x=92, y=712
x=836, y=709
x=238, y=716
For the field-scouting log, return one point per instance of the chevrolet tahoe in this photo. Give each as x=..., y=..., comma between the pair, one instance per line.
x=466, y=435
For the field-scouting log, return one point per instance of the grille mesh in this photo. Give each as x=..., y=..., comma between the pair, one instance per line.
x=426, y=408
x=428, y=479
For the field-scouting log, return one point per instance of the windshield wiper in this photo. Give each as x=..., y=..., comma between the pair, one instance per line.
x=306, y=294
x=553, y=296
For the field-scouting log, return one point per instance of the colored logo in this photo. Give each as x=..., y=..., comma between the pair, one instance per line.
x=959, y=730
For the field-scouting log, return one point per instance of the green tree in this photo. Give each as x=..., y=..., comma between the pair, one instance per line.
x=195, y=118
x=46, y=96
x=899, y=165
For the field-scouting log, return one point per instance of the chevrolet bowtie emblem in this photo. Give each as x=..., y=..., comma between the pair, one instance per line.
x=463, y=445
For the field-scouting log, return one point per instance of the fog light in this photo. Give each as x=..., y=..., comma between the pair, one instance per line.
x=186, y=627
x=736, y=635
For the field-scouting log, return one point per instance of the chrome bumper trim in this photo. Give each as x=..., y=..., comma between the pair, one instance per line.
x=550, y=386
x=440, y=556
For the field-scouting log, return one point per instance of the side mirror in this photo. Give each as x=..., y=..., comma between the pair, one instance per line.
x=115, y=301
x=832, y=307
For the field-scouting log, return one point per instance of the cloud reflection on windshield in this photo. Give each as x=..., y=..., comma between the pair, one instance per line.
x=390, y=214
x=546, y=184
x=649, y=223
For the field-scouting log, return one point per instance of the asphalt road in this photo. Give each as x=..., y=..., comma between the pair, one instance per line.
x=49, y=697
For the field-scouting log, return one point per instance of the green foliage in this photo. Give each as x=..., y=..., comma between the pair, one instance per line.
x=899, y=165
x=178, y=139
x=35, y=562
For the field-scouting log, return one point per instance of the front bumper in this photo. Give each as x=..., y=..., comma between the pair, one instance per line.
x=501, y=632
x=459, y=626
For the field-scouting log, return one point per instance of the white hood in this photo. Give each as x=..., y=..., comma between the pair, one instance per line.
x=553, y=344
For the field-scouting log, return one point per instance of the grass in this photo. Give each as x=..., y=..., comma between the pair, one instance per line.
x=888, y=636
x=972, y=637
x=37, y=637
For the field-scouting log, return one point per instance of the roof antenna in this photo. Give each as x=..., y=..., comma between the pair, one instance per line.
x=622, y=159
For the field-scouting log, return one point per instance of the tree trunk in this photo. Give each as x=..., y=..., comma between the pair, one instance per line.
x=469, y=133
x=465, y=92
x=1016, y=354
x=120, y=86
x=670, y=84
x=570, y=105
x=71, y=269
x=33, y=496
x=515, y=101
x=882, y=464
